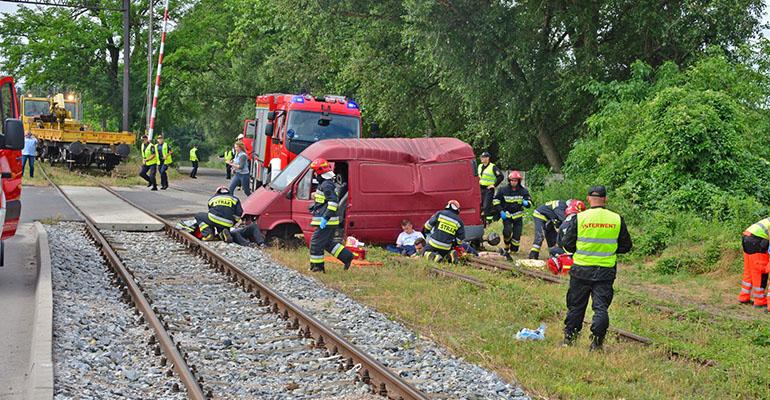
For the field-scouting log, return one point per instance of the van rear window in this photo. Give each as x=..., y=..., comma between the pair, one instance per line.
x=445, y=177
x=386, y=178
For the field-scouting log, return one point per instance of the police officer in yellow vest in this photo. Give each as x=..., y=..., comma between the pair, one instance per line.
x=228, y=157
x=595, y=240
x=194, y=161
x=489, y=177
x=164, y=160
x=149, y=162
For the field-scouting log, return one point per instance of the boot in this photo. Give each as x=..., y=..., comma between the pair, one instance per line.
x=317, y=268
x=533, y=255
x=154, y=188
x=597, y=343
x=347, y=265
x=569, y=339
x=226, y=236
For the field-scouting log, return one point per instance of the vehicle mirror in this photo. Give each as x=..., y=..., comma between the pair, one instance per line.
x=269, y=129
x=276, y=140
x=13, y=134
x=290, y=192
x=271, y=116
x=324, y=120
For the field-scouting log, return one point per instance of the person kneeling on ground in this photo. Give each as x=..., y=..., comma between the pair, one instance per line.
x=444, y=230
x=224, y=212
x=406, y=239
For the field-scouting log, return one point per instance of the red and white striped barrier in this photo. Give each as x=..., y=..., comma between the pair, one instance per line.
x=157, y=76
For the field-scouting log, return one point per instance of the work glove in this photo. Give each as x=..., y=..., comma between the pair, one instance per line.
x=324, y=221
x=503, y=215
x=525, y=203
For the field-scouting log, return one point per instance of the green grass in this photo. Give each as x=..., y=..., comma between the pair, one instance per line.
x=717, y=352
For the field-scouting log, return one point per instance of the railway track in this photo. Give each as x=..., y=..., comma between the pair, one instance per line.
x=199, y=295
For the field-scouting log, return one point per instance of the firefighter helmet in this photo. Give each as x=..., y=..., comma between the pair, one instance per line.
x=514, y=175
x=223, y=189
x=320, y=166
x=574, y=207
x=493, y=239
x=453, y=205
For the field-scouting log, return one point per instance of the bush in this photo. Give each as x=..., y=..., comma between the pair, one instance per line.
x=687, y=263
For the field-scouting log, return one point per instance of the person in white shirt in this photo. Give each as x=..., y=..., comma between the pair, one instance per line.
x=405, y=241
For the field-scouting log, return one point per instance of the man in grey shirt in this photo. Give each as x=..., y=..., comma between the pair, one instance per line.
x=240, y=164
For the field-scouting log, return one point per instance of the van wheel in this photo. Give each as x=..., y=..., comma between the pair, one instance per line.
x=285, y=236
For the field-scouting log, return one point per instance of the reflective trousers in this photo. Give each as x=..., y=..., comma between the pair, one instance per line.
x=512, y=233
x=601, y=293
x=438, y=255
x=323, y=239
x=148, y=173
x=543, y=230
x=487, y=195
x=755, y=265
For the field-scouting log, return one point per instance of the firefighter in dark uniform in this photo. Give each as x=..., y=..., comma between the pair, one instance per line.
x=489, y=177
x=570, y=213
x=547, y=218
x=325, y=218
x=224, y=212
x=595, y=239
x=444, y=230
x=509, y=203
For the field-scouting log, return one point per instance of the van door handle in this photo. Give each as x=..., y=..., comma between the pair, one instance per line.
x=352, y=224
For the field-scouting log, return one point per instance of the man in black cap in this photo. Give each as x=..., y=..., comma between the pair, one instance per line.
x=595, y=240
x=489, y=177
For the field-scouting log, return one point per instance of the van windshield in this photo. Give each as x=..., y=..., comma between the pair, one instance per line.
x=287, y=176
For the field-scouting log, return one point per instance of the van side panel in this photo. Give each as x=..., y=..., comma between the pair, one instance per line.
x=414, y=192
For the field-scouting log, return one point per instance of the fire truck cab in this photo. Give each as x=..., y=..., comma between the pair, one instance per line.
x=286, y=124
x=11, y=144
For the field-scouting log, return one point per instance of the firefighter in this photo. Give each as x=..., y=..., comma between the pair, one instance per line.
x=194, y=161
x=149, y=162
x=561, y=261
x=509, y=203
x=547, y=218
x=164, y=160
x=489, y=177
x=228, y=155
x=755, y=261
x=444, y=231
x=224, y=212
x=325, y=218
x=595, y=239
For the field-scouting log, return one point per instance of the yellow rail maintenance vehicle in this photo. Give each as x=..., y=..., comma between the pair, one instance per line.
x=63, y=138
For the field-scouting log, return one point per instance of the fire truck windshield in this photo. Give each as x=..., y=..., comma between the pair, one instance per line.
x=306, y=128
x=287, y=176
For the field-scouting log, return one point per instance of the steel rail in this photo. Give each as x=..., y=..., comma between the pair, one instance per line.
x=382, y=380
x=166, y=343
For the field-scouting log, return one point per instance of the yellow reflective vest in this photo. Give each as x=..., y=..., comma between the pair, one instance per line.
x=598, y=230
x=487, y=175
x=150, y=154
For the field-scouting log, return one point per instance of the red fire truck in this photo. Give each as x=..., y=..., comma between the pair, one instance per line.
x=11, y=143
x=286, y=124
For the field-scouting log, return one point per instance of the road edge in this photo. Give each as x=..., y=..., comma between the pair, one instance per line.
x=40, y=383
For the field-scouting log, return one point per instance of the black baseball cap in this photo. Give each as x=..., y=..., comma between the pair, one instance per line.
x=486, y=154
x=597, y=191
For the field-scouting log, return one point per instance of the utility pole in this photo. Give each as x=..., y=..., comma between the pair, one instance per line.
x=126, y=60
x=151, y=11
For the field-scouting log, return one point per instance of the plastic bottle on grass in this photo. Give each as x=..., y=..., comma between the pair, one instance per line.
x=529, y=334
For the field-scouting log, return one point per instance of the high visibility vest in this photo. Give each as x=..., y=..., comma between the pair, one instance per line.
x=147, y=153
x=760, y=229
x=164, y=152
x=193, y=154
x=597, y=238
x=487, y=175
x=228, y=155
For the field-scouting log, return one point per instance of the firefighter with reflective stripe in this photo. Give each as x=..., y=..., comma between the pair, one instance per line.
x=509, y=203
x=547, y=218
x=595, y=239
x=149, y=162
x=444, y=230
x=164, y=160
x=755, y=263
x=326, y=219
x=224, y=212
x=489, y=177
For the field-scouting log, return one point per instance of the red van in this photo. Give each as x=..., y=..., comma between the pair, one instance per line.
x=386, y=181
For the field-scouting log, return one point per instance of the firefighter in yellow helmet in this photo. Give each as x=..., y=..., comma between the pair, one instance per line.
x=326, y=219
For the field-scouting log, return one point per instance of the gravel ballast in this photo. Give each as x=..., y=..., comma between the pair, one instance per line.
x=240, y=349
x=420, y=361
x=99, y=350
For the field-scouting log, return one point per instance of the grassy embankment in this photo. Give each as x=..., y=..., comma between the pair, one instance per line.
x=683, y=298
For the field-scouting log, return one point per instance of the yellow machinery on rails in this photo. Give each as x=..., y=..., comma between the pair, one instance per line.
x=62, y=138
